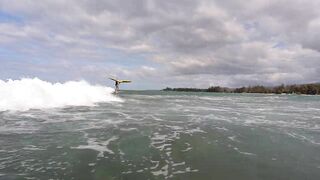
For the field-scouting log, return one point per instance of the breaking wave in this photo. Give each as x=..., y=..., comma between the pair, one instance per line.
x=33, y=93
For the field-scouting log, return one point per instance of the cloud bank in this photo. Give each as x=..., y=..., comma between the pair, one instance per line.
x=162, y=43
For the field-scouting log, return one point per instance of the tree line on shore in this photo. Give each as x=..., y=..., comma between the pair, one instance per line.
x=310, y=89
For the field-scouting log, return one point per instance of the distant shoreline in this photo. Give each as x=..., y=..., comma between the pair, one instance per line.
x=309, y=89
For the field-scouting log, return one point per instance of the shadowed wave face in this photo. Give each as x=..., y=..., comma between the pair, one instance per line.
x=34, y=93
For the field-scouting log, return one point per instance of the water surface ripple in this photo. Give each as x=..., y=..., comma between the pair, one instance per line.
x=166, y=135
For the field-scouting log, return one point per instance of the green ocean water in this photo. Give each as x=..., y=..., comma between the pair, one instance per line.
x=166, y=135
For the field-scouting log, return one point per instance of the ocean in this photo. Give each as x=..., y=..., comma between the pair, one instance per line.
x=162, y=135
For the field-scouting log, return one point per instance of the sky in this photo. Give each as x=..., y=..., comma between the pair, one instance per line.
x=162, y=43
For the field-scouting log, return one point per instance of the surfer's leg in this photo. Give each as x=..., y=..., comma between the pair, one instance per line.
x=117, y=88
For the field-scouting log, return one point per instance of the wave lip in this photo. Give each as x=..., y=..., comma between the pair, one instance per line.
x=33, y=93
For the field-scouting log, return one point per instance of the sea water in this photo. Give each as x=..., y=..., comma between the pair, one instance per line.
x=158, y=135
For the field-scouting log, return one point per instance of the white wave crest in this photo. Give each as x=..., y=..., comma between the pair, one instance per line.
x=33, y=93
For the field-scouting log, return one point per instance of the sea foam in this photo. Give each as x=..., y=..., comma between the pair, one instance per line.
x=33, y=93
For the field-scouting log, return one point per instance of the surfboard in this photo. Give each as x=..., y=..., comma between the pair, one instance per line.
x=121, y=81
x=124, y=81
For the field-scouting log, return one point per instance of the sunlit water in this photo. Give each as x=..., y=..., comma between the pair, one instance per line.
x=166, y=135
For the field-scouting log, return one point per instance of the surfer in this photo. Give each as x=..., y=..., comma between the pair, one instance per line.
x=117, y=83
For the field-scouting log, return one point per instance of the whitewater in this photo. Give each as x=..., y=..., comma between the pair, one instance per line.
x=34, y=93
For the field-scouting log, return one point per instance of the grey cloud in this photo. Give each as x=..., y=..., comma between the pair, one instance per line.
x=230, y=42
x=286, y=20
